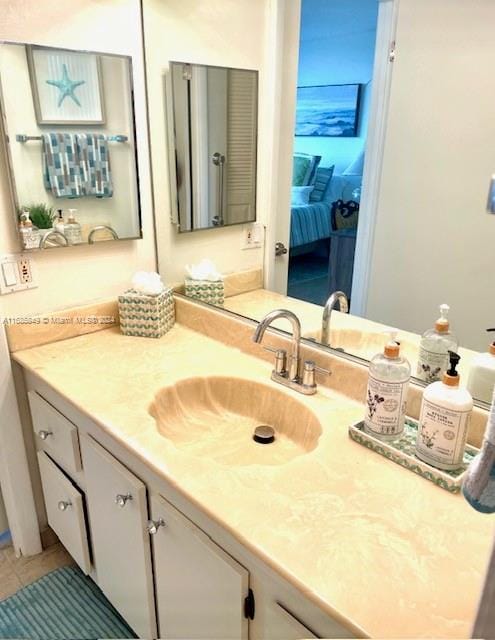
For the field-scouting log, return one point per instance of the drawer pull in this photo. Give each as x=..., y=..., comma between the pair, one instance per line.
x=44, y=434
x=63, y=505
x=121, y=499
x=154, y=525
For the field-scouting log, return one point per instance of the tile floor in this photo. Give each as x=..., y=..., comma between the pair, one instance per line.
x=19, y=572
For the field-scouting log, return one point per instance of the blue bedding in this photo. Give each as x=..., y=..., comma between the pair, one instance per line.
x=309, y=223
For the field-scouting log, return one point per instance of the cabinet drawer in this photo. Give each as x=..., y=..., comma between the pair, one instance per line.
x=55, y=434
x=118, y=513
x=65, y=511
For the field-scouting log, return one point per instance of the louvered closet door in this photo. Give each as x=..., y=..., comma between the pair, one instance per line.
x=242, y=116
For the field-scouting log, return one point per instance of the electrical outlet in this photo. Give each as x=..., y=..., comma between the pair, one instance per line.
x=17, y=273
x=24, y=266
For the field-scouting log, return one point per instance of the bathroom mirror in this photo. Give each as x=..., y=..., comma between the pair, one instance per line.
x=69, y=132
x=401, y=229
x=212, y=123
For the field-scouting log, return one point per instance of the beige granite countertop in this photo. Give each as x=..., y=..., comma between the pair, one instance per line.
x=369, y=542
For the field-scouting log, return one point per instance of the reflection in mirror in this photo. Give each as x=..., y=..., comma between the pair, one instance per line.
x=213, y=135
x=68, y=119
x=389, y=190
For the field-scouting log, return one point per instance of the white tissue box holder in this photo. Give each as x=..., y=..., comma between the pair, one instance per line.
x=146, y=315
x=210, y=291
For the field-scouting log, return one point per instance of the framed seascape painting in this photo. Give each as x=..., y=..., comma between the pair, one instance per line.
x=66, y=87
x=330, y=110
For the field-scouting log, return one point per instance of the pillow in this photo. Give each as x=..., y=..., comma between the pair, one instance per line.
x=300, y=195
x=323, y=177
x=304, y=169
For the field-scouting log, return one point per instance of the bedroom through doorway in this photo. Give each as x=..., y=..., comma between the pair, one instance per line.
x=336, y=58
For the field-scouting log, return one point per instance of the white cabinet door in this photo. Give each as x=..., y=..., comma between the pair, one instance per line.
x=200, y=589
x=65, y=511
x=121, y=543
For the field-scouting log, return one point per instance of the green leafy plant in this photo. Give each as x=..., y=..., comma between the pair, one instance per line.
x=41, y=215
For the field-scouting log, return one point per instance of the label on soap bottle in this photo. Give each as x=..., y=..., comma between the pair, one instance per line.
x=431, y=365
x=385, y=407
x=442, y=434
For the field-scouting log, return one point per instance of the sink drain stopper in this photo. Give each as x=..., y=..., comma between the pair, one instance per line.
x=264, y=434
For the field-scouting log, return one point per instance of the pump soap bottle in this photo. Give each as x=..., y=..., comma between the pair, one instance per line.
x=444, y=420
x=73, y=228
x=481, y=381
x=434, y=348
x=60, y=222
x=386, y=396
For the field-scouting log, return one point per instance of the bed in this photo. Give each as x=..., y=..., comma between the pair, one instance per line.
x=313, y=222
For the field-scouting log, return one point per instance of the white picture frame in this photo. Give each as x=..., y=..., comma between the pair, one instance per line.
x=66, y=86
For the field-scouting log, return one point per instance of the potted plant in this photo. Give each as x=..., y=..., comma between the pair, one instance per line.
x=41, y=215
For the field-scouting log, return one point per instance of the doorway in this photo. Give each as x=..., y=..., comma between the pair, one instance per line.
x=334, y=87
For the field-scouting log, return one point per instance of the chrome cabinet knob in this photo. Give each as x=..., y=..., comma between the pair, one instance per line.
x=63, y=505
x=121, y=500
x=153, y=525
x=44, y=434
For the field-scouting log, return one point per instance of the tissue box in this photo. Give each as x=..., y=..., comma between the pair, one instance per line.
x=210, y=291
x=150, y=316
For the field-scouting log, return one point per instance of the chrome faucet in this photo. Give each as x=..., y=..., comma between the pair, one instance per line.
x=336, y=297
x=101, y=227
x=53, y=238
x=291, y=378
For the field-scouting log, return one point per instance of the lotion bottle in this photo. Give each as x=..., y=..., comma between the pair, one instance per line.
x=434, y=348
x=386, y=396
x=444, y=420
x=481, y=379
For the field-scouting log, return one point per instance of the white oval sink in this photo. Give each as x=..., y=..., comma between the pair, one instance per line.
x=215, y=417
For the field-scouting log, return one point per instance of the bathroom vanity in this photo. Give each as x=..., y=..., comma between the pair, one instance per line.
x=192, y=535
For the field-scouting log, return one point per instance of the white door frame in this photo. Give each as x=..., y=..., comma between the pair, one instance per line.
x=282, y=51
x=278, y=89
x=15, y=480
x=375, y=145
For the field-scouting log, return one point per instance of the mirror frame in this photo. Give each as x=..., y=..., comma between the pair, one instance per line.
x=5, y=147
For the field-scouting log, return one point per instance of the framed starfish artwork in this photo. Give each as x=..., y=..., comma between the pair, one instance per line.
x=66, y=86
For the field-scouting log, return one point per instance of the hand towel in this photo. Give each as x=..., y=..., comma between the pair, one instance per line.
x=60, y=160
x=95, y=164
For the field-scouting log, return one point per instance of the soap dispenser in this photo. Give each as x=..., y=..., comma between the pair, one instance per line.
x=444, y=420
x=481, y=381
x=60, y=222
x=386, y=396
x=72, y=229
x=434, y=348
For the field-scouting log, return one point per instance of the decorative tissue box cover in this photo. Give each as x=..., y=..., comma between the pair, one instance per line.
x=146, y=315
x=212, y=292
x=402, y=452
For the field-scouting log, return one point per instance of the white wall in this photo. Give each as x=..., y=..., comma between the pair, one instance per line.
x=337, y=44
x=433, y=241
x=80, y=274
x=222, y=33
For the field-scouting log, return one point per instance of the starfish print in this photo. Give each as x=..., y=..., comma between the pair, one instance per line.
x=66, y=86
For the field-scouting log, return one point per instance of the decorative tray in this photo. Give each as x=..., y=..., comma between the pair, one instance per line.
x=402, y=452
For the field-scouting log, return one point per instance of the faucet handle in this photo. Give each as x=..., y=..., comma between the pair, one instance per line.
x=309, y=373
x=280, y=359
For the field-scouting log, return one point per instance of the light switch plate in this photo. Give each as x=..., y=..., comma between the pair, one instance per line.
x=17, y=273
x=253, y=235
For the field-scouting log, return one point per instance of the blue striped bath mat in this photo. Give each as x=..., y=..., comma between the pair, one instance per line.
x=62, y=605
